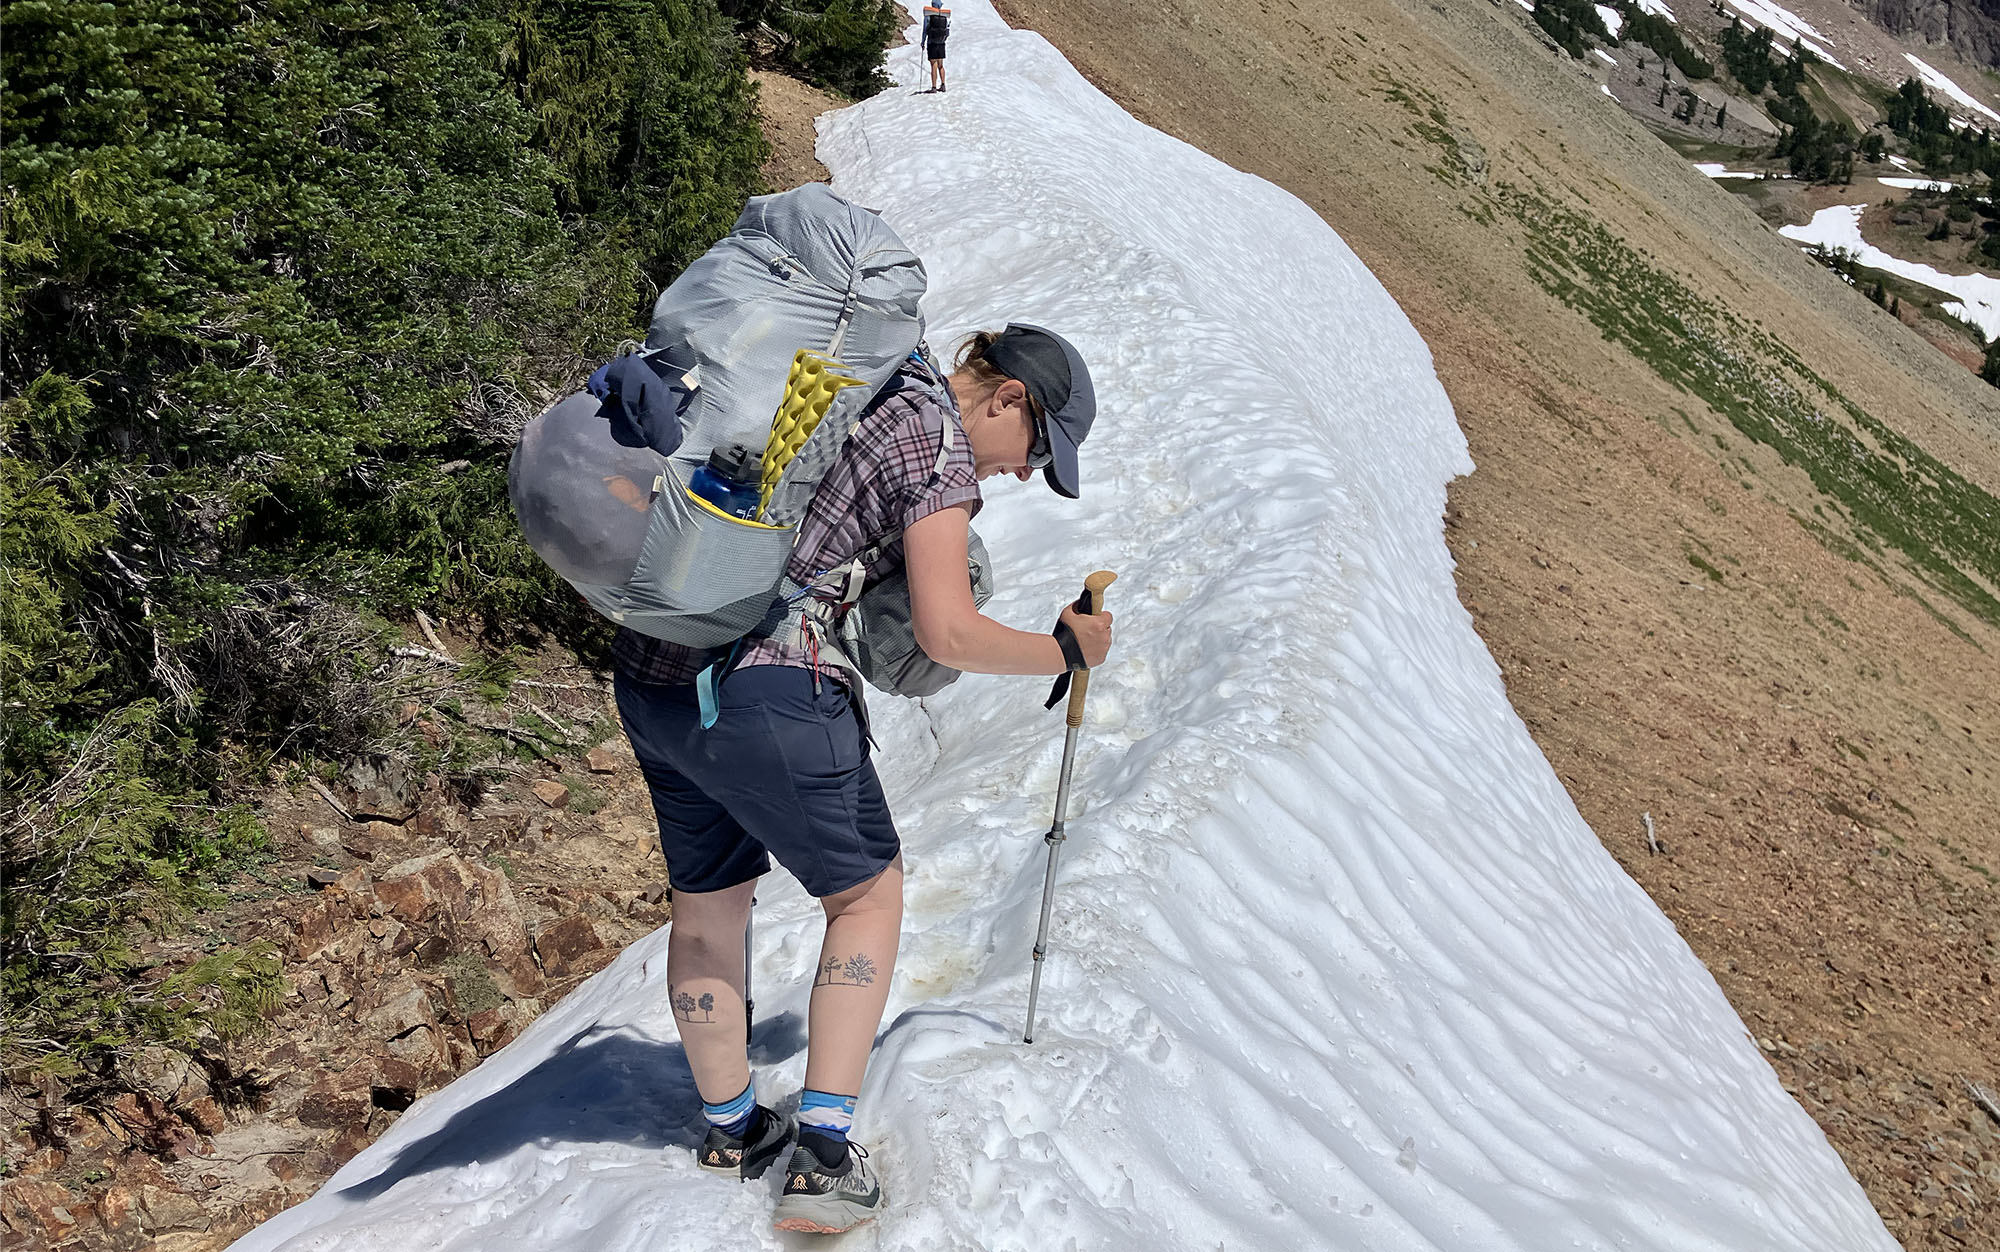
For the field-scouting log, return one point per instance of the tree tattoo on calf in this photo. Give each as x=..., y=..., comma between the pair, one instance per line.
x=856, y=971
x=685, y=1006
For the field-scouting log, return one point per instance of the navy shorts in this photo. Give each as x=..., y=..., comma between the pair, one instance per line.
x=937, y=51
x=783, y=773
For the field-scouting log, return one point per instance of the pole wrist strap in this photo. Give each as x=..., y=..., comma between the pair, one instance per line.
x=1072, y=655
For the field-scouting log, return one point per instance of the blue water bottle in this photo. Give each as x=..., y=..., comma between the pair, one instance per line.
x=732, y=481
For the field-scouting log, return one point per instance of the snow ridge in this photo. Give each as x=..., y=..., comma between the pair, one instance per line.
x=1336, y=962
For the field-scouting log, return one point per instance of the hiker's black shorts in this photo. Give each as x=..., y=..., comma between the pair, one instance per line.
x=783, y=773
x=936, y=51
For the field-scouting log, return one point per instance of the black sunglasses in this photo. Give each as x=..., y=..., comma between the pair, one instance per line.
x=1040, y=454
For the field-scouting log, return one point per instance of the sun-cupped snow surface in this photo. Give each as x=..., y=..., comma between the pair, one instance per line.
x=1840, y=227
x=1785, y=26
x=1335, y=963
x=1938, y=80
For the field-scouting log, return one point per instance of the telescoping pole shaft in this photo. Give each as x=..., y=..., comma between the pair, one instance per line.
x=1093, y=602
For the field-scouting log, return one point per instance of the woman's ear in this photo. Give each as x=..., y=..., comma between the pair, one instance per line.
x=1012, y=393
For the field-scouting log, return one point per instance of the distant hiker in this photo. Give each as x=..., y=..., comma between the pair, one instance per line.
x=937, y=27
x=784, y=771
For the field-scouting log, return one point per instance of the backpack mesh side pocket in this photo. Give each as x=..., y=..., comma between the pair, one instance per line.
x=705, y=578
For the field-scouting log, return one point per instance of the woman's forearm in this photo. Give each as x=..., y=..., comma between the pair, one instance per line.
x=980, y=645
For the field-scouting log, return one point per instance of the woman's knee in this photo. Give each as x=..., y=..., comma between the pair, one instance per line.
x=712, y=919
x=880, y=894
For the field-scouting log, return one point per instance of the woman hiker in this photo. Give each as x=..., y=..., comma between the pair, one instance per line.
x=937, y=28
x=784, y=771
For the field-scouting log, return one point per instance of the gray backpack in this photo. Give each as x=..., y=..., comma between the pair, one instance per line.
x=776, y=337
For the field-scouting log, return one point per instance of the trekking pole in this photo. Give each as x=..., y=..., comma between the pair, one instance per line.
x=1092, y=602
x=749, y=1005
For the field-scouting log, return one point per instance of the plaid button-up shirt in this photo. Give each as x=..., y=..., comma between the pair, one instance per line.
x=880, y=483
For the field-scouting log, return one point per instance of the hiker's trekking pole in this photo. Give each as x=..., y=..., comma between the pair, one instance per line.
x=749, y=1005
x=1092, y=602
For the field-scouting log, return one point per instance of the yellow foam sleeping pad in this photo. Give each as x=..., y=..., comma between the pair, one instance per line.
x=810, y=389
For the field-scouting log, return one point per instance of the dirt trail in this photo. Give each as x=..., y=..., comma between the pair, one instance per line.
x=1819, y=752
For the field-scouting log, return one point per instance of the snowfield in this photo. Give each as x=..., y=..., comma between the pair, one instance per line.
x=1716, y=169
x=1784, y=26
x=1840, y=227
x=1336, y=963
x=1937, y=80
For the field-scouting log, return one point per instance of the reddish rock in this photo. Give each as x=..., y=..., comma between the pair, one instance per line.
x=169, y=1208
x=407, y=898
x=313, y=933
x=33, y=1205
x=551, y=793
x=493, y=1029
x=43, y=1161
x=117, y=1211
x=206, y=1115
x=562, y=942
x=349, y=1142
x=517, y=976
x=331, y=1105
x=404, y=1011
x=601, y=760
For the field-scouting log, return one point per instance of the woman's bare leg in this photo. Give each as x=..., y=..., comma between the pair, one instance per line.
x=705, y=986
x=851, y=985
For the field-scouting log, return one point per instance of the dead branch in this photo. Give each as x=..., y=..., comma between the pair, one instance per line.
x=568, y=737
x=429, y=628
x=423, y=654
x=1983, y=1098
x=332, y=801
x=1653, y=844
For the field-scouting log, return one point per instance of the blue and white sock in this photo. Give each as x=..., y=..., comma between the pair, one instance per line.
x=732, y=1117
x=829, y=1114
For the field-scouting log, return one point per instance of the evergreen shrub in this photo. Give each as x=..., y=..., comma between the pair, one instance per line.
x=283, y=281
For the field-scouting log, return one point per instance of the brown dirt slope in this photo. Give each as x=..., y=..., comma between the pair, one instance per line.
x=1693, y=626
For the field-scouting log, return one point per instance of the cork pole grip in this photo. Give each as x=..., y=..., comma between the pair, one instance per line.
x=1093, y=590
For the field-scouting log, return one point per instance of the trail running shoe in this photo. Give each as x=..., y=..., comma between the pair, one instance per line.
x=824, y=1194
x=749, y=1155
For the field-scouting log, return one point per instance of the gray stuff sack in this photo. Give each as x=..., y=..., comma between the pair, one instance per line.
x=877, y=635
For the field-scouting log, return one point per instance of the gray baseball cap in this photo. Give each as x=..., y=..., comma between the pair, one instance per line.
x=1057, y=378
